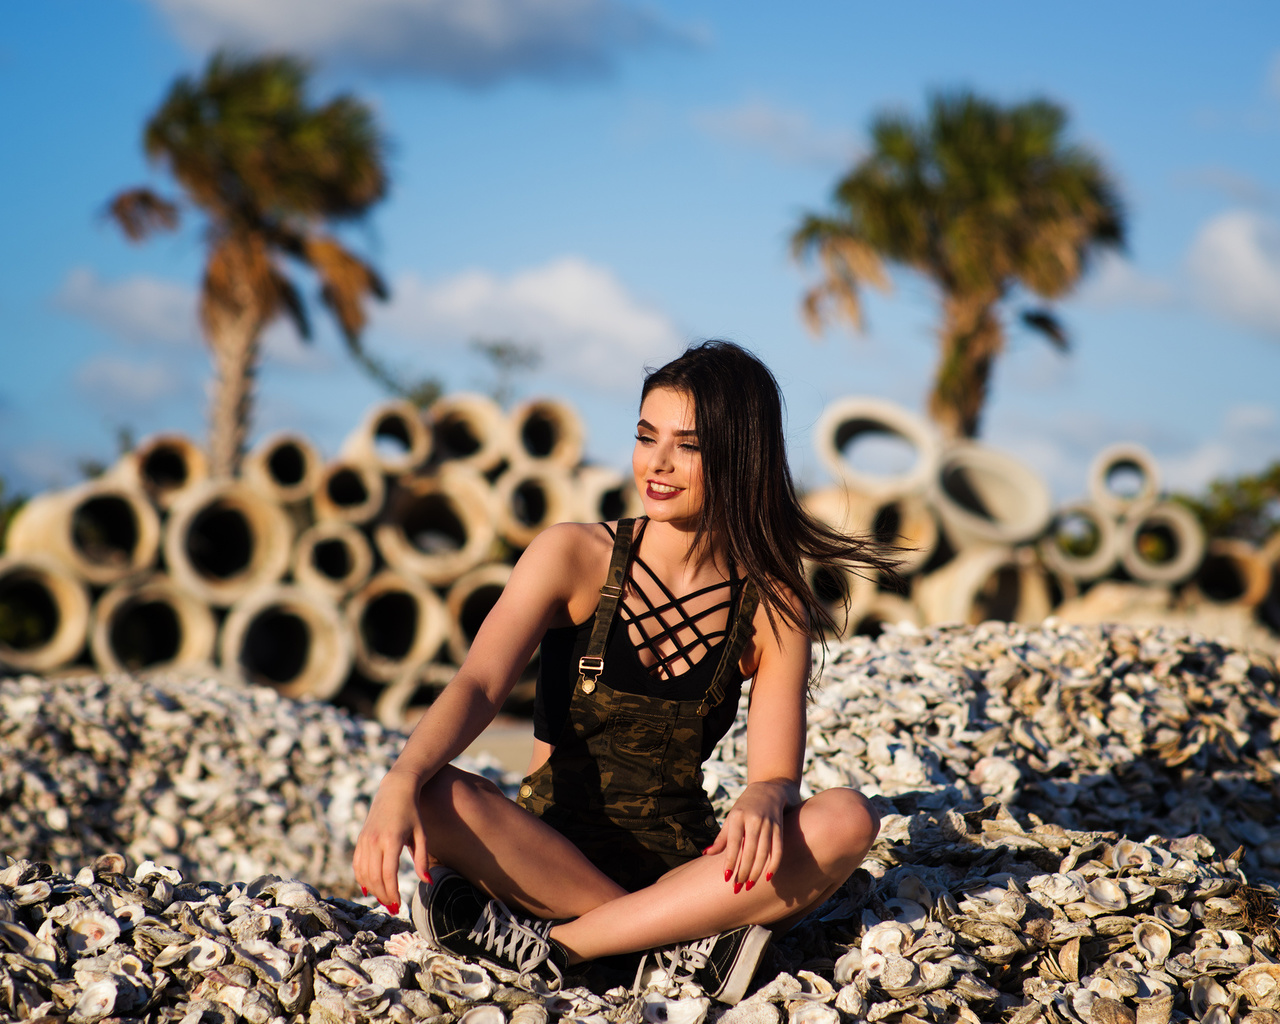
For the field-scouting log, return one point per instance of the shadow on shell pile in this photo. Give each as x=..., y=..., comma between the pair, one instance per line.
x=1029, y=907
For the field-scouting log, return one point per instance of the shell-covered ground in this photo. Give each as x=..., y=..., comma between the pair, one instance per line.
x=1078, y=823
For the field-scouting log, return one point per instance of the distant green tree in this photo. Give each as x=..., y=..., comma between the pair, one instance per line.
x=507, y=357
x=268, y=171
x=1246, y=506
x=979, y=199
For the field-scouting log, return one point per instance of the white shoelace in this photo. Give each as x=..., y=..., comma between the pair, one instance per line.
x=514, y=940
x=679, y=963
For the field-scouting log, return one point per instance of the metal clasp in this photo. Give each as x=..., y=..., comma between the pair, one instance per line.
x=609, y=590
x=593, y=665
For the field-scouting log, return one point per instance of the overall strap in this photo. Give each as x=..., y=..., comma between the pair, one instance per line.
x=733, y=647
x=591, y=664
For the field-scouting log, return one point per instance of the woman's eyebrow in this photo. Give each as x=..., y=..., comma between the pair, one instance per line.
x=679, y=433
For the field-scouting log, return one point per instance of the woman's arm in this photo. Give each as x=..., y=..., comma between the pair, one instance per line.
x=752, y=833
x=550, y=580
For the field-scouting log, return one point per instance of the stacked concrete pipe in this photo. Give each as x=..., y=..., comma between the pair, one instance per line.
x=976, y=536
x=365, y=577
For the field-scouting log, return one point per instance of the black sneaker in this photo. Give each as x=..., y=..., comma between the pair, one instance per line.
x=455, y=916
x=722, y=965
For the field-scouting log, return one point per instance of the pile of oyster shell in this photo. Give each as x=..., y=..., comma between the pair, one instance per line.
x=1041, y=791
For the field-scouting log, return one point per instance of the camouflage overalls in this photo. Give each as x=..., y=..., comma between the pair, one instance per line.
x=624, y=782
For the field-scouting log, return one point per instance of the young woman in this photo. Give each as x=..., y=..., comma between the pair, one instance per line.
x=648, y=630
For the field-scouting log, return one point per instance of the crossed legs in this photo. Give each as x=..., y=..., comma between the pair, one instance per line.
x=511, y=854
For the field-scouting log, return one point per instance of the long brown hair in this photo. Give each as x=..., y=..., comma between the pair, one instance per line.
x=749, y=499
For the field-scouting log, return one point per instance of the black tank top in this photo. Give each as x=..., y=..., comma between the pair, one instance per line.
x=683, y=678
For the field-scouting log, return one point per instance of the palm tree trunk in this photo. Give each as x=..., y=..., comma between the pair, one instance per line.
x=235, y=364
x=239, y=297
x=970, y=340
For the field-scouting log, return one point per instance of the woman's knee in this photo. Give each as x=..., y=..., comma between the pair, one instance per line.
x=846, y=824
x=458, y=795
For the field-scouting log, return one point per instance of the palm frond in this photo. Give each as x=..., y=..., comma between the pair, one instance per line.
x=346, y=281
x=141, y=212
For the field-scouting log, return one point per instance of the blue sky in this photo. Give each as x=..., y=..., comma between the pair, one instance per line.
x=610, y=180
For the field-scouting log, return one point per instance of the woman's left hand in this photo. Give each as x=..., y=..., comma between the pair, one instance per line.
x=751, y=837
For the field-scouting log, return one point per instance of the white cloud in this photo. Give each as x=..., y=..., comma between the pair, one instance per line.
x=1234, y=267
x=583, y=320
x=474, y=42
x=787, y=135
x=136, y=309
x=1247, y=439
x=121, y=385
x=1114, y=281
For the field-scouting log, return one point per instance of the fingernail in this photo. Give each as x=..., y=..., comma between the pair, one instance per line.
x=426, y=877
x=727, y=874
x=706, y=851
x=737, y=888
x=768, y=876
x=750, y=883
x=393, y=909
x=364, y=891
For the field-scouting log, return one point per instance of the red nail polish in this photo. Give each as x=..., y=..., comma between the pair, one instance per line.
x=364, y=891
x=750, y=883
x=426, y=875
x=737, y=888
x=768, y=876
x=393, y=909
x=727, y=874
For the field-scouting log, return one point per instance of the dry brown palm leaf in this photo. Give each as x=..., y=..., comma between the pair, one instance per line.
x=346, y=281
x=141, y=212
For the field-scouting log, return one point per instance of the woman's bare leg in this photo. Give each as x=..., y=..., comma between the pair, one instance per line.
x=823, y=841
x=506, y=851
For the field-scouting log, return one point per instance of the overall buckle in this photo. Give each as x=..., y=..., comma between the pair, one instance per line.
x=589, y=669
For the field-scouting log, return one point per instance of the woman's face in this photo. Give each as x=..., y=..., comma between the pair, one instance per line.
x=666, y=462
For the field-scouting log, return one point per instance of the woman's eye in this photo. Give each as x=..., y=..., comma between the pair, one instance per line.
x=689, y=446
x=643, y=439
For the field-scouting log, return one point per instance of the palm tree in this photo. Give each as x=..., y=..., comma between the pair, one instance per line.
x=268, y=171
x=980, y=199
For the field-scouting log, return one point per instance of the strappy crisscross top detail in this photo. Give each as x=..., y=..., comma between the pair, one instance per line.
x=672, y=634
x=659, y=645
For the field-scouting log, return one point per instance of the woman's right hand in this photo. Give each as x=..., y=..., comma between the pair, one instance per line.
x=393, y=823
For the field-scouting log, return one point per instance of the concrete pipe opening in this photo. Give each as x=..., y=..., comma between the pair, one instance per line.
x=438, y=528
x=875, y=447
x=392, y=436
x=1123, y=477
x=1233, y=572
x=530, y=500
x=103, y=530
x=288, y=639
x=349, y=491
x=397, y=624
x=981, y=584
x=162, y=467
x=150, y=623
x=44, y=614
x=469, y=602
x=1080, y=542
x=547, y=432
x=225, y=539
x=332, y=557
x=987, y=497
x=1163, y=543
x=843, y=594
x=471, y=430
x=603, y=495
x=285, y=466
